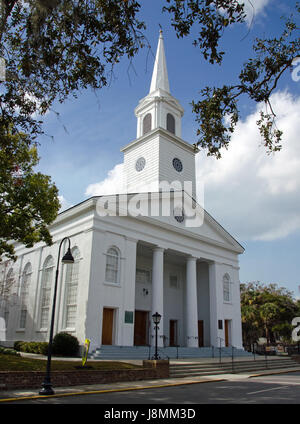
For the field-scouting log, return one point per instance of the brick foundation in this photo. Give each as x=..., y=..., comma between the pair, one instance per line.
x=33, y=379
x=160, y=366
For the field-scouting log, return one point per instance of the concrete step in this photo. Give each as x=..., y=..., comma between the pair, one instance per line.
x=236, y=368
x=261, y=362
x=143, y=352
x=188, y=370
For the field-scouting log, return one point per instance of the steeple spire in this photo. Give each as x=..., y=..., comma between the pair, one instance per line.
x=160, y=74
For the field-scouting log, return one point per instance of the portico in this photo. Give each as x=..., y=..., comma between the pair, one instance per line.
x=178, y=286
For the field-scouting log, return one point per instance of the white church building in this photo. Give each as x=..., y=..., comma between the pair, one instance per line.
x=150, y=249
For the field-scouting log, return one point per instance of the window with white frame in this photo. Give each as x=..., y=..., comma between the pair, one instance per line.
x=174, y=284
x=47, y=278
x=226, y=288
x=112, y=270
x=25, y=283
x=170, y=123
x=9, y=282
x=147, y=123
x=143, y=276
x=71, y=290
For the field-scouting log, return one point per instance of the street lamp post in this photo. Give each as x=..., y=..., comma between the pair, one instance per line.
x=67, y=259
x=156, y=320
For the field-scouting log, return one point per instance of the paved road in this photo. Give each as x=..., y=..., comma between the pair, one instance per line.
x=275, y=389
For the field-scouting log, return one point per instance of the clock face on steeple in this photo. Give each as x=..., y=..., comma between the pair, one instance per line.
x=140, y=164
x=177, y=164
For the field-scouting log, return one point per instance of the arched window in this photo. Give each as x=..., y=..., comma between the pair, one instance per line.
x=47, y=277
x=9, y=282
x=71, y=289
x=226, y=288
x=170, y=123
x=25, y=283
x=147, y=123
x=112, y=265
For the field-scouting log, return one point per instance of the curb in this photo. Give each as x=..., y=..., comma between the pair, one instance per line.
x=107, y=391
x=275, y=372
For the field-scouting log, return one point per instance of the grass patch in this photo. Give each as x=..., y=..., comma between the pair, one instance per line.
x=20, y=363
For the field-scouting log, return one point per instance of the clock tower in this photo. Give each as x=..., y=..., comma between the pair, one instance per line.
x=159, y=155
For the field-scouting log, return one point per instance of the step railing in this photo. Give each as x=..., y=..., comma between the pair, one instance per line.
x=220, y=348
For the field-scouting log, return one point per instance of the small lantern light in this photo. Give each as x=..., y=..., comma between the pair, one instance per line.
x=156, y=318
x=68, y=257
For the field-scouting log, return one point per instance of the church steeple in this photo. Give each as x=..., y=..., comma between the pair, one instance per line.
x=158, y=154
x=159, y=109
x=160, y=78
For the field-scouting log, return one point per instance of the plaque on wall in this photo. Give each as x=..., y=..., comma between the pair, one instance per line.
x=128, y=317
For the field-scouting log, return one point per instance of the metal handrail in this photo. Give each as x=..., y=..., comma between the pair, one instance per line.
x=232, y=356
x=220, y=349
x=163, y=353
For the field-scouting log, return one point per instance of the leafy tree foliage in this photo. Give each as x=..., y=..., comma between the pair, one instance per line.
x=267, y=311
x=28, y=199
x=217, y=113
x=258, y=79
x=52, y=49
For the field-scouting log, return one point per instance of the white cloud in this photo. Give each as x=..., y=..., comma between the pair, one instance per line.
x=255, y=195
x=65, y=204
x=253, y=8
x=112, y=184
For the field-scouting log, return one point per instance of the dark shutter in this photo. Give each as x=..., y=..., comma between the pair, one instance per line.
x=170, y=123
x=147, y=123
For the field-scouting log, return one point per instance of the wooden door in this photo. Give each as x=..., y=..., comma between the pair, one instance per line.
x=140, y=328
x=173, y=332
x=107, y=326
x=200, y=334
x=226, y=332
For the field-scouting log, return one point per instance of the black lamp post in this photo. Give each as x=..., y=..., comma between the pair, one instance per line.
x=67, y=259
x=156, y=320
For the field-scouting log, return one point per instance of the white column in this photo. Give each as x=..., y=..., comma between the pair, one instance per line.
x=236, y=333
x=158, y=293
x=191, y=303
x=129, y=268
x=215, y=305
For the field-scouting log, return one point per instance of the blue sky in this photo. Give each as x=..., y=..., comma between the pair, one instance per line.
x=256, y=197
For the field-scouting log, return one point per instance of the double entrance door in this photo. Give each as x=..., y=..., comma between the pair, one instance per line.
x=141, y=327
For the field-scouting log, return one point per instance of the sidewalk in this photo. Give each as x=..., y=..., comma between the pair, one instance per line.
x=19, y=394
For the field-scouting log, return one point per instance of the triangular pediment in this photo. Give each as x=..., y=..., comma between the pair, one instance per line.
x=163, y=209
x=197, y=223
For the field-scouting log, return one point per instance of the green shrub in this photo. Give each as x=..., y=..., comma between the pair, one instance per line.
x=8, y=351
x=43, y=348
x=32, y=347
x=17, y=345
x=65, y=344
